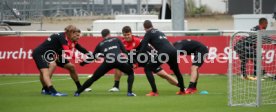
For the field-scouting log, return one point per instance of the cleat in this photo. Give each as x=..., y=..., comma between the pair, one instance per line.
x=77, y=94
x=252, y=78
x=114, y=89
x=191, y=91
x=268, y=75
x=244, y=77
x=180, y=93
x=152, y=94
x=131, y=94
x=58, y=94
x=44, y=92
x=88, y=90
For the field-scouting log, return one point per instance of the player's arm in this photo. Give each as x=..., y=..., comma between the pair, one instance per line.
x=81, y=49
x=92, y=56
x=145, y=42
x=122, y=47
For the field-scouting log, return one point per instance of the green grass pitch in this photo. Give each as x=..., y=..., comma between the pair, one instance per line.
x=22, y=94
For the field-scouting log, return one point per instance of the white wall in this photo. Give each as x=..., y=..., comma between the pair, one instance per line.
x=248, y=21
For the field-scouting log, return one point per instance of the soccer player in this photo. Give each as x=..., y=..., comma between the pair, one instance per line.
x=262, y=25
x=200, y=52
x=246, y=49
x=111, y=49
x=48, y=55
x=132, y=42
x=165, y=50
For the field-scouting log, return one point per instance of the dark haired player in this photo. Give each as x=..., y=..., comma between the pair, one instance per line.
x=160, y=43
x=246, y=50
x=132, y=43
x=200, y=52
x=262, y=25
x=57, y=44
x=111, y=48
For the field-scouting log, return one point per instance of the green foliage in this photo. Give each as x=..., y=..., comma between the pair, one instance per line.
x=192, y=10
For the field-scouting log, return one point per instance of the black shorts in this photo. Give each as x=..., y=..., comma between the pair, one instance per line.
x=200, y=56
x=41, y=62
x=61, y=62
x=143, y=58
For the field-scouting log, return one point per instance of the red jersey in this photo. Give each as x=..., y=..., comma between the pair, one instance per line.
x=70, y=43
x=132, y=44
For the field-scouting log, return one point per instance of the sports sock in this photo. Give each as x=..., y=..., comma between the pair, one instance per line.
x=52, y=89
x=116, y=84
x=195, y=84
x=45, y=88
x=151, y=79
x=192, y=85
x=78, y=84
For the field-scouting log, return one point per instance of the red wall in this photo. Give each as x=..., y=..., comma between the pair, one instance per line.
x=13, y=49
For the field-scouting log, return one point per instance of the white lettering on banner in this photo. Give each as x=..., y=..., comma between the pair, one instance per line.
x=212, y=53
x=222, y=57
x=30, y=52
x=227, y=51
x=20, y=54
x=214, y=56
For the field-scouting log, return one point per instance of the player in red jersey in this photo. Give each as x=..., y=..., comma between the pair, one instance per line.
x=131, y=43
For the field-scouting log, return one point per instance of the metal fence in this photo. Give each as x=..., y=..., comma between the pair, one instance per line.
x=117, y=33
x=35, y=9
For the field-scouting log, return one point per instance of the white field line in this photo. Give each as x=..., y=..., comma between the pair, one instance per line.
x=26, y=82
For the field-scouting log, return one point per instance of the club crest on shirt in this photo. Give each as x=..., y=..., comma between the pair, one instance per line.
x=49, y=39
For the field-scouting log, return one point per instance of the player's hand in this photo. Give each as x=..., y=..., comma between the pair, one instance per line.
x=135, y=66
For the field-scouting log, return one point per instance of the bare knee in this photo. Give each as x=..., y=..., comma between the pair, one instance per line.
x=70, y=67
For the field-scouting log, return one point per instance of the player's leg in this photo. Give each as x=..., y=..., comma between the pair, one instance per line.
x=163, y=74
x=52, y=68
x=46, y=78
x=175, y=68
x=126, y=68
x=45, y=90
x=193, y=80
x=64, y=63
x=45, y=74
x=103, y=69
x=149, y=68
x=198, y=61
x=40, y=63
x=117, y=77
x=73, y=73
x=243, y=61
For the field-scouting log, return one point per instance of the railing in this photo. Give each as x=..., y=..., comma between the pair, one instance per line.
x=97, y=33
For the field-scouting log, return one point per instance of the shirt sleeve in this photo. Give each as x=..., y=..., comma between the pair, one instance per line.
x=92, y=56
x=145, y=42
x=81, y=49
x=122, y=47
x=96, y=51
x=61, y=39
